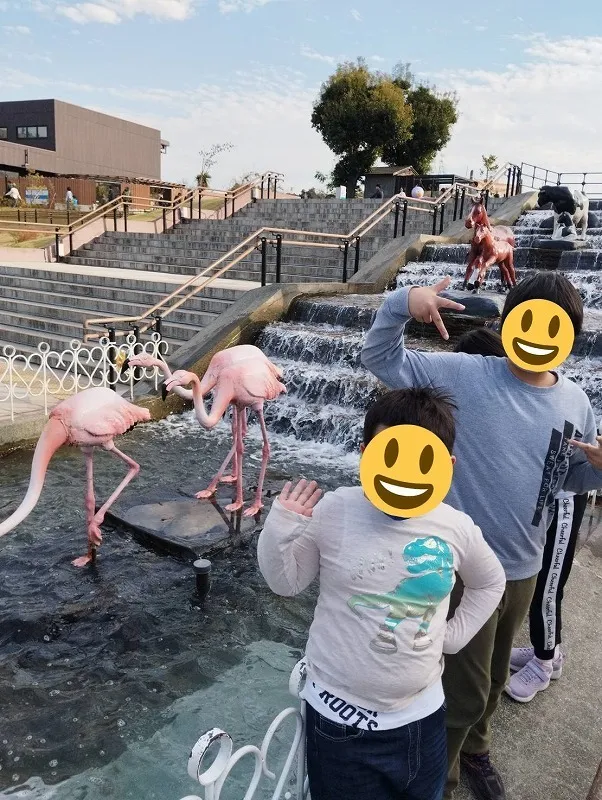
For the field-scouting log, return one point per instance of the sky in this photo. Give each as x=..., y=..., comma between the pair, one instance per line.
x=528, y=75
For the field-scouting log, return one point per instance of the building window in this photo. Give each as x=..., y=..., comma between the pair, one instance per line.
x=3, y=133
x=33, y=132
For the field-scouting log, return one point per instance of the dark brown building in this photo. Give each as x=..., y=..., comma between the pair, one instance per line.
x=55, y=138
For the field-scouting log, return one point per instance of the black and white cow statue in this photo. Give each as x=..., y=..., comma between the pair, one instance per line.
x=566, y=201
x=564, y=228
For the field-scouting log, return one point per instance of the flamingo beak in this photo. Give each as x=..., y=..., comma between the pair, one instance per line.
x=164, y=392
x=125, y=366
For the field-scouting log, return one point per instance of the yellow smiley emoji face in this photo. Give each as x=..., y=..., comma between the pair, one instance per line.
x=538, y=335
x=406, y=471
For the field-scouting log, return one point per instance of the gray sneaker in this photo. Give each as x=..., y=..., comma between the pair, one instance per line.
x=527, y=682
x=522, y=655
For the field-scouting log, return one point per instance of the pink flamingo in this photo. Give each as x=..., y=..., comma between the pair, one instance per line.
x=87, y=420
x=242, y=377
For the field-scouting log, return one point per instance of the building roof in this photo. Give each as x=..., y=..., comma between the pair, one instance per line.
x=396, y=171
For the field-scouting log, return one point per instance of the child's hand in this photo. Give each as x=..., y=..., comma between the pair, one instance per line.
x=593, y=452
x=424, y=304
x=302, y=498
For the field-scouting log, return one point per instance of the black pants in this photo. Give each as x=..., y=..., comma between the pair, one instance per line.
x=545, y=619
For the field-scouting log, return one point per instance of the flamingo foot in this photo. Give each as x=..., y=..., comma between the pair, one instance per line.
x=205, y=494
x=83, y=561
x=253, y=510
x=234, y=506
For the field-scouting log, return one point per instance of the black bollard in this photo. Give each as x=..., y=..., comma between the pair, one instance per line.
x=202, y=570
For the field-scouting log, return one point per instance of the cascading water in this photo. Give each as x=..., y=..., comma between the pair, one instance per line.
x=107, y=676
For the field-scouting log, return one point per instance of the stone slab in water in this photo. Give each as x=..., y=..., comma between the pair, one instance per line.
x=484, y=306
x=558, y=244
x=185, y=525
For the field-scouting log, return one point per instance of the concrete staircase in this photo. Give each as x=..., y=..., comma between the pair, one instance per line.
x=191, y=247
x=124, y=274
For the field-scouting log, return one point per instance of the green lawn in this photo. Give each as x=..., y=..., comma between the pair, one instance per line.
x=25, y=240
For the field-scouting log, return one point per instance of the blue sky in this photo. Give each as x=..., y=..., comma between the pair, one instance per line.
x=247, y=71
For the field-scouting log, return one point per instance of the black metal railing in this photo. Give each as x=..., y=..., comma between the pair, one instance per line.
x=534, y=177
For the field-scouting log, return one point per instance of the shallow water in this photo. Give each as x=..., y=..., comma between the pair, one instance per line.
x=91, y=660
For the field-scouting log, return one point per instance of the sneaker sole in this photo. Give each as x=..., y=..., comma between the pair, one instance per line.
x=524, y=699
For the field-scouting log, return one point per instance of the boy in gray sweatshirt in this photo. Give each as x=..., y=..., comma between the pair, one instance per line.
x=521, y=438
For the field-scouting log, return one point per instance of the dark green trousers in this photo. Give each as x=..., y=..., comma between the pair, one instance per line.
x=475, y=677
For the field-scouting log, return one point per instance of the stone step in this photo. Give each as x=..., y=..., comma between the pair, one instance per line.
x=47, y=291
x=62, y=308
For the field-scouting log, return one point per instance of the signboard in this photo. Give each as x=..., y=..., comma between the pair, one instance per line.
x=37, y=196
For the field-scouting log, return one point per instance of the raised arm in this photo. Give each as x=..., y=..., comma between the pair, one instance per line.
x=385, y=354
x=288, y=554
x=484, y=583
x=585, y=464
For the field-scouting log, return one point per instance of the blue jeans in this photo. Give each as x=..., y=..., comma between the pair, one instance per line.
x=345, y=763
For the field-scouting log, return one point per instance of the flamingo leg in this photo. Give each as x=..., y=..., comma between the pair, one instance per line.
x=94, y=535
x=211, y=489
x=241, y=429
x=265, y=457
x=134, y=469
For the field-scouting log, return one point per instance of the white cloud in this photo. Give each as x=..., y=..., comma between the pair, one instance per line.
x=356, y=15
x=22, y=30
x=112, y=12
x=230, y=6
x=539, y=111
x=309, y=52
x=378, y=59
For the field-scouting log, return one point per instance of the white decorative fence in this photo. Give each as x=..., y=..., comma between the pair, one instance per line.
x=47, y=375
x=213, y=776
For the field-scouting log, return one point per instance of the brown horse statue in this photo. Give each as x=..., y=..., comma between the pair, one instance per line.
x=478, y=216
x=489, y=251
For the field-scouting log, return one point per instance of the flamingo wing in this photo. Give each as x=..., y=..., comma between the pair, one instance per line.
x=263, y=385
x=100, y=413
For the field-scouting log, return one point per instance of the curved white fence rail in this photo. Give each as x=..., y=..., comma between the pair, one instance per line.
x=213, y=775
x=47, y=375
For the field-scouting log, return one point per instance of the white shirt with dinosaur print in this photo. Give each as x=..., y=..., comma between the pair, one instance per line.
x=379, y=628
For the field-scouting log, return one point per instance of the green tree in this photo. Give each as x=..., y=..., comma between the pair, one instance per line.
x=357, y=113
x=489, y=165
x=434, y=115
x=202, y=179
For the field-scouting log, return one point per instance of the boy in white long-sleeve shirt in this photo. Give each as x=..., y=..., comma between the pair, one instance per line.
x=375, y=716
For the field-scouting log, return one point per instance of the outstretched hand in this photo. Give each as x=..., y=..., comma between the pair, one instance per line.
x=302, y=498
x=593, y=452
x=424, y=304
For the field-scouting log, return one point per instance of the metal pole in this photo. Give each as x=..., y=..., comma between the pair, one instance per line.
x=264, y=261
x=396, y=225
x=457, y=197
x=115, y=217
x=225, y=205
x=112, y=359
x=463, y=197
x=345, y=260
x=435, y=220
x=262, y=188
x=508, y=182
x=278, y=257
x=164, y=219
x=358, y=242
x=137, y=349
x=173, y=216
x=125, y=217
x=70, y=242
x=233, y=202
x=404, y=218
x=269, y=185
x=519, y=180
x=200, y=202
x=57, y=244
x=159, y=329
x=486, y=199
x=68, y=215
x=442, y=214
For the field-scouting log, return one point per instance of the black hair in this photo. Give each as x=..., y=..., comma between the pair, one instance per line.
x=551, y=286
x=428, y=408
x=481, y=342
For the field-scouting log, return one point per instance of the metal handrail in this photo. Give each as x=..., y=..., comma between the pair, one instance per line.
x=339, y=241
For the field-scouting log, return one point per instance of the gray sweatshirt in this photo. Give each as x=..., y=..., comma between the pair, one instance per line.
x=511, y=441
x=380, y=624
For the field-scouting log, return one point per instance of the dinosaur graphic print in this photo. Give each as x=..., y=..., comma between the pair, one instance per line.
x=415, y=598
